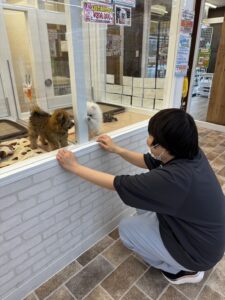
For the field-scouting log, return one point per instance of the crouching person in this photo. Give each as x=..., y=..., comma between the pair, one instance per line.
x=181, y=225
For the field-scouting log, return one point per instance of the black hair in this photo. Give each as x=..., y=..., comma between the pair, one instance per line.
x=176, y=131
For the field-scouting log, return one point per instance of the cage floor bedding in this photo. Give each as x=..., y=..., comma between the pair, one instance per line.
x=16, y=150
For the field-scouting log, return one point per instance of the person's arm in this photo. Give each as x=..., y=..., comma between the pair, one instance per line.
x=132, y=157
x=68, y=161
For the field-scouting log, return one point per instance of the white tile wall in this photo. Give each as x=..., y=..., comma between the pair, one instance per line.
x=115, y=98
x=149, y=93
x=127, y=90
x=48, y=218
x=160, y=83
x=114, y=88
x=110, y=78
x=126, y=100
x=149, y=83
x=159, y=93
x=138, y=82
x=159, y=104
x=148, y=103
x=138, y=92
x=136, y=101
x=127, y=80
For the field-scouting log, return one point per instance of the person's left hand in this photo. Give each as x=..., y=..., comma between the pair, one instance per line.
x=67, y=160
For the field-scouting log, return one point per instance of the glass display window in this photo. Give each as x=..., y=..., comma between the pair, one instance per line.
x=137, y=57
x=210, y=30
x=76, y=56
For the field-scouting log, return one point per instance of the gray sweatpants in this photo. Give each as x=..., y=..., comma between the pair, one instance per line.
x=140, y=233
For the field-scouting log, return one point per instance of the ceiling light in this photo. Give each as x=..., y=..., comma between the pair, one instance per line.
x=210, y=5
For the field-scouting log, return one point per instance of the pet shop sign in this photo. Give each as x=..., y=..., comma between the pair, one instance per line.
x=98, y=13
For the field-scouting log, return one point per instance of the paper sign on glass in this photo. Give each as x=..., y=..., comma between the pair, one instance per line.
x=122, y=15
x=98, y=13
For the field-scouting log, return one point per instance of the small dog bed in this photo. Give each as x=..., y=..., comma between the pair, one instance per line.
x=10, y=129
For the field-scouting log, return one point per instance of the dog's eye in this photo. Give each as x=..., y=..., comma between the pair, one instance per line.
x=90, y=115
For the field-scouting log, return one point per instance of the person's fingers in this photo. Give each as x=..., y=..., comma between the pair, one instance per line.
x=102, y=136
x=58, y=156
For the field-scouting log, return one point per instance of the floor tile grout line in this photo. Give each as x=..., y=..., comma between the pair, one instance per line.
x=36, y=297
x=181, y=292
x=101, y=280
x=140, y=259
x=114, y=266
x=99, y=284
x=94, y=289
x=149, y=297
x=63, y=283
x=106, y=275
x=46, y=298
x=70, y=292
x=114, y=241
x=205, y=284
x=82, y=267
x=163, y=291
x=135, y=282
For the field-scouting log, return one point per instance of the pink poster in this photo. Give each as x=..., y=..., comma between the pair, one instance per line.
x=98, y=13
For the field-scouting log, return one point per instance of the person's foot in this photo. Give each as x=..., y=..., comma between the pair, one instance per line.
x=183, y=277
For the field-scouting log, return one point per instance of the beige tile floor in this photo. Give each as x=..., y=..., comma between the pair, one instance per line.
x=109, y=271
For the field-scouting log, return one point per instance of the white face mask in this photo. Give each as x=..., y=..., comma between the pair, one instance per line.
x=157, y=157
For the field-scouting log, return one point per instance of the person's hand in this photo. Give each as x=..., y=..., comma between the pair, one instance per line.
x=67, y=160
x=107, y=144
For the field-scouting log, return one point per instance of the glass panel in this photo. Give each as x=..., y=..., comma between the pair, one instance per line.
x=158, y=48
x=56, y=5
x=21, y=57
x=205, y=67
x=135, y=77
x=31, y=3
x=121, y=65
x=59, y=59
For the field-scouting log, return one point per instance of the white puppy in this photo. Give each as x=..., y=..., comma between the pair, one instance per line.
x=94, y=118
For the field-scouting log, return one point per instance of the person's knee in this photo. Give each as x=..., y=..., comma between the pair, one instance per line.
x=125, y=231
x=124, y=226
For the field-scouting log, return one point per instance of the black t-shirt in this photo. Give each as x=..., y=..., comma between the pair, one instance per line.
x=190, y=207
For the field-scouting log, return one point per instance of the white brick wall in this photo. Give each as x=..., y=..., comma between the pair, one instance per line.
x=49, y=217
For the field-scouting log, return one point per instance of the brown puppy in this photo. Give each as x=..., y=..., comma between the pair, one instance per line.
x=51, y=128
